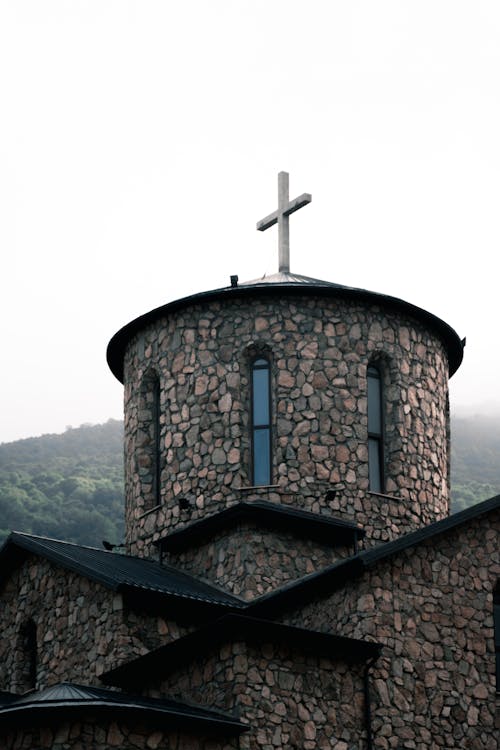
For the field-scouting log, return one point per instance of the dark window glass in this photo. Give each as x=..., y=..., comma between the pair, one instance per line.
x=261, y=422
x=156, y=440
x=261, y=456
x=375, y=430
x=374, y=401
x=260, y=394
x=29, y=645
x=374, y=465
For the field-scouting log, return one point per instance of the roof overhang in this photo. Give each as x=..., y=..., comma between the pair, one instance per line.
x=262, y=289
x=325, y=529
x=143, y=582
x=155, y=664
x=322, y=583
x=59, y=702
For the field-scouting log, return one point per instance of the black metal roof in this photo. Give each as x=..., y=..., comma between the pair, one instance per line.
x=79, y=699
x=6, y=697
x=337, y=575
x=155, y=664
x=372, y=556
x=288, y=287
x=326, y=529
x=123, y=573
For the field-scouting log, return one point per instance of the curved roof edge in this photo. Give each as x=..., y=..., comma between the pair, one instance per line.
x=285, y=285
x=76, y=700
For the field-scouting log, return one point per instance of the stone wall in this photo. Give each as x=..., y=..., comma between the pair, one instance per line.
x=289, y=699
x=82, y=628
x=432, y=608
x=249, y=561
x=93, y=733
x=319, y=350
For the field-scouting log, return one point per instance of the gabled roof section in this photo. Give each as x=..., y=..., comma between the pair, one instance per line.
x=155, y=664
x=283, y=285
x=122, y=573
x=77, y=699
x=325, y=529
x=333, y=577
x=372, y=556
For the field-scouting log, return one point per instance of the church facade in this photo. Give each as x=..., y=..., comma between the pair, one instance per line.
x=292, y=577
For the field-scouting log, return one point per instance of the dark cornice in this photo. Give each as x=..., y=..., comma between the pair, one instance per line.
x=117, y=345
x=154, y=665
x=320, y=528
x=66, y=700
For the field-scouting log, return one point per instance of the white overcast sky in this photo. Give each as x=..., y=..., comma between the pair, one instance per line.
x=140, y=142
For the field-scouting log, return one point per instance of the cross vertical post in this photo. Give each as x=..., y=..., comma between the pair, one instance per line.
x=283, y=224
x=280, y=217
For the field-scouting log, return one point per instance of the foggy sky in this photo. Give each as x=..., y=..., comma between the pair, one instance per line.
x=140, y=143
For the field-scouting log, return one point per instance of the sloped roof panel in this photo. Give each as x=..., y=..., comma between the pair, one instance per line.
x=116, y=571
x=238, y=627
x=77, y=699
x=326, y=529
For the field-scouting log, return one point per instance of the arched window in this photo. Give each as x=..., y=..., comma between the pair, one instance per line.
x=155, y=427
x=496, y=626
x=28, y=656
x=375, y=429
x=149, y=447
x=261, y=422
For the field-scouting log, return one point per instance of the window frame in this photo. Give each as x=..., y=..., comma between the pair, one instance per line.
x=150, y=405
x=156, y=449
x=376, y=437
x=260, y=362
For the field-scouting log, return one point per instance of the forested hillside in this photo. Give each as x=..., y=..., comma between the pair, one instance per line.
x=475, y=460
x=67, y=486
x=70, y=486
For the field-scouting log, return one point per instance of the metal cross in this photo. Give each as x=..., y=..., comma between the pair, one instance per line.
x=280, y=217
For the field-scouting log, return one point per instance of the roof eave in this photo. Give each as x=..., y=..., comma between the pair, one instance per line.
x=118, y=343
x=325, y=529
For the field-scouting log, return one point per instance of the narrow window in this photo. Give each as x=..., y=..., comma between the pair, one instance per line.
x=29, y=648
x=261, y=422
x=375, y=430
x=155, y=426
x=496, y=626
x=149, y=458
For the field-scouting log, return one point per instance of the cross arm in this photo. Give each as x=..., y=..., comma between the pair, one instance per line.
x=293, y=206
x=297, y=203
x=264, y=224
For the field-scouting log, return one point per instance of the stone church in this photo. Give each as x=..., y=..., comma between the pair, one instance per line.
x=291, y=576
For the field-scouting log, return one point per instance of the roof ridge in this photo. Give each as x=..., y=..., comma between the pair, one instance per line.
x=53, y=539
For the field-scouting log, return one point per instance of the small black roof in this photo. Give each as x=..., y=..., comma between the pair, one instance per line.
x=326, y=529
x=6, y=697
x=118, y=572
x=283, y=287
x=335, y=576
x=71, y=698
x=155, y=664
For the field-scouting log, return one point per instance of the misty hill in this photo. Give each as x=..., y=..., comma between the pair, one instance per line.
x=475, y=459
x=67, y=486
x=70, y=486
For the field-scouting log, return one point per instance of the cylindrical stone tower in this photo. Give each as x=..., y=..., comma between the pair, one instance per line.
x=297, y=391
